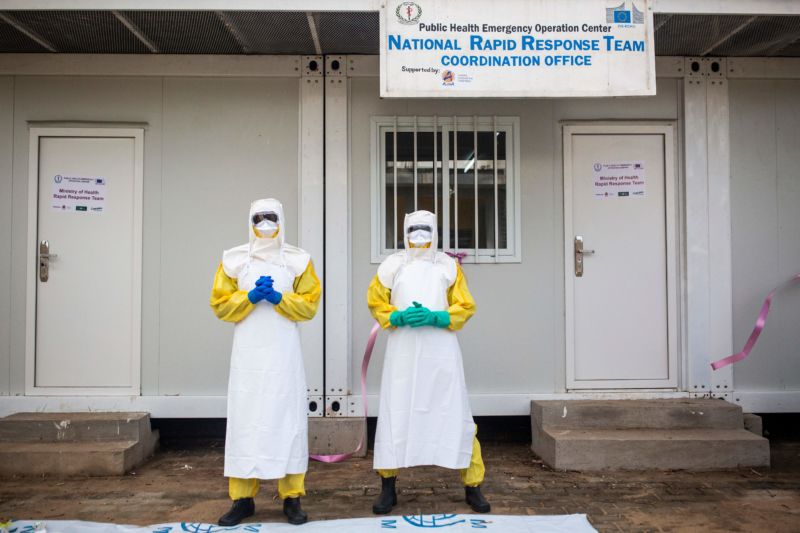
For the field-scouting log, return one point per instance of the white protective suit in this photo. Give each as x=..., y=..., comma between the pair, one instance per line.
x=424, y=416
x=267, y=432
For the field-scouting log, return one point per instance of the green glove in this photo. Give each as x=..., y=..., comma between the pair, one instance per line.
x=441, y=319
x=397, y=319
x=419, y=316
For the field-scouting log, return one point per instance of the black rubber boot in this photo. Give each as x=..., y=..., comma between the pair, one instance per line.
x=387, y=498
x=241, y=509
x=293, y=511
x=475, y=499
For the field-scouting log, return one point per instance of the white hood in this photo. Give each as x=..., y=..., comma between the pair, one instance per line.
x=390, y=266
x=268, y=249
x=417, y=218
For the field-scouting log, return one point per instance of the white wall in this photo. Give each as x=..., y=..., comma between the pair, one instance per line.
x=765, y=208
x=6, y=147
x=226, y=143
x=515, y=342
x=212, y=145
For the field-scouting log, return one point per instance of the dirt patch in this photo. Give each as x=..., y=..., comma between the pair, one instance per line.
x=187, y=485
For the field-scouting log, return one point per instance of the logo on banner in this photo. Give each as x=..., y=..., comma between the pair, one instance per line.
x=448, y=77
x=58, y=178
x=434, y=520
x=625, y=13
x=408, y=13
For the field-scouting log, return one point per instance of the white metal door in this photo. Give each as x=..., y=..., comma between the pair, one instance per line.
x=87, y=262
x=619, y=257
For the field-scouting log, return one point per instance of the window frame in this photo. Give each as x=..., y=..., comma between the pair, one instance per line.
x=444, y=124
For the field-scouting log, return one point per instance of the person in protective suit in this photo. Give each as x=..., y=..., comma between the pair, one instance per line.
x=265, y=287
x=420, y=296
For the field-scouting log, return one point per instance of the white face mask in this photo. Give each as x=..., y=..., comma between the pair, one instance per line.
x=419, y=238
x=266, y=229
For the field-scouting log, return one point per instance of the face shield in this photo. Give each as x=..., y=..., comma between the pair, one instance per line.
x=420, y=235
x=266, y=224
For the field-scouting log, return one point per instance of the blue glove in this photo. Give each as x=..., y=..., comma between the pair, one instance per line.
x=264, y=282
x=272, y=296
x=262, y=290
x=256, y=295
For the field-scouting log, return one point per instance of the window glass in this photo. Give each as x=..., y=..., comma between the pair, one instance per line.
x=464, y=175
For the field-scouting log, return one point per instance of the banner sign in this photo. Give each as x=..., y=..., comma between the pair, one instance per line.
x=516, y=48
x=452, y=523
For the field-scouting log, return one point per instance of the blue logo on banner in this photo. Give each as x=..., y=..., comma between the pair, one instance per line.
x=622, y=17
x=625, y=13
x=434, y=520
x=209, y=528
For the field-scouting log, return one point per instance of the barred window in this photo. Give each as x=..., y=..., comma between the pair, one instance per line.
x=463, y=169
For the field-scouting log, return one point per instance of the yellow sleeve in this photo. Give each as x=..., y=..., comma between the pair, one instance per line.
x=228, y=302
x=462, y=305
x=302, y=304
x=378, y=298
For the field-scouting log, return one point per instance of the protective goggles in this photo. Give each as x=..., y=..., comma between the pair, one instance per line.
x=258, y=218
x=420, y=227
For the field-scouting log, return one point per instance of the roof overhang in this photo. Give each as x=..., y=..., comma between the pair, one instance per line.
x=687, y=7
x=697, y=28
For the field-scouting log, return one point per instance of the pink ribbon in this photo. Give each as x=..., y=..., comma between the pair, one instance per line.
x=760, y=323
x=458, y=256
x=339, y=457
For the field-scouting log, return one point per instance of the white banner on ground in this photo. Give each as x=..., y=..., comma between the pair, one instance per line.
x=451, y=523
x=516, y=48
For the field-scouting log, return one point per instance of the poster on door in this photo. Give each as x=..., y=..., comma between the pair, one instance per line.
x=79, y=194
x=619, y=179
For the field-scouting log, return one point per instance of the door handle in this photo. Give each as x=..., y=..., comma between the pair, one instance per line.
x=579, y=253
x=44, y=261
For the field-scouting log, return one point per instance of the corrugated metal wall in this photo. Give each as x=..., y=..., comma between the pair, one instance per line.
x=765, y=212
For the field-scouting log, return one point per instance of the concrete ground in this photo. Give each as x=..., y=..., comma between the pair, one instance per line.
x=184, y=482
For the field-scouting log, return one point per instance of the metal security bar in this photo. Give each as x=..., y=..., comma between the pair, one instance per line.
x=496, y=211
x=455, y=180
x=416, y=183
x=416, y=194
x=476, y=231
x=394, y=169
x=435, y=165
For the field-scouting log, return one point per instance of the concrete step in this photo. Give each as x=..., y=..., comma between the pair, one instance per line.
x=644, y=449
x=91, y=444
x=59, y=427
x=98, y=458
x=637, y=414
x=334, y=435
